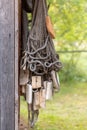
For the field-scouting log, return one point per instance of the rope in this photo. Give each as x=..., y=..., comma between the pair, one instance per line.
x=40, y=54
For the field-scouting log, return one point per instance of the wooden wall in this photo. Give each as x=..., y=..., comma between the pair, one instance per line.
x=17, y=31
x=9, y=40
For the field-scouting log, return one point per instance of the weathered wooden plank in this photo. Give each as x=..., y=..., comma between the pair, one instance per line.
x=16, y=62
x=7, y=61
x=19, y=50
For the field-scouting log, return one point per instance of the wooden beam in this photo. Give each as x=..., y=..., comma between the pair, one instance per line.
x=7, y=65
x=17, y=30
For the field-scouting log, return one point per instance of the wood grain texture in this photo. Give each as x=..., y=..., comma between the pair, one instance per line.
x=7, y=62
x=16, y=62
x=19, y=50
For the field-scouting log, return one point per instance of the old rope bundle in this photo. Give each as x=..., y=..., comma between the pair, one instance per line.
x=39, y=63
x=40, y=54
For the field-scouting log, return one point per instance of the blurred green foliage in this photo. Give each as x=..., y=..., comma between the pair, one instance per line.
x=66, y=111
x=69, y=18
x=75, y=67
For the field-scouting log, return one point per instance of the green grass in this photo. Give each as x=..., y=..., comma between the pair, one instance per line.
x=66, y=111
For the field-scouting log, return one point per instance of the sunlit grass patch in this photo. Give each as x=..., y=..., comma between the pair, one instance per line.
x=66, y=111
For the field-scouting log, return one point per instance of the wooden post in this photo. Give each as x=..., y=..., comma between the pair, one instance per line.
x=17, y=42
x=9, y=40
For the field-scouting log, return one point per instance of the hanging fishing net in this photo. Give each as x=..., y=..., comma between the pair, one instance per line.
x=40, y=56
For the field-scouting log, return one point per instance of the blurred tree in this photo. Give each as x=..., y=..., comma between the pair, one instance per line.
x=69, y=18
x=70, y=22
